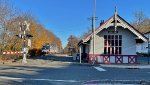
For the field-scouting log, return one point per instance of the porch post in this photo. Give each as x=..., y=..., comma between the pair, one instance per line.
x=80, y=53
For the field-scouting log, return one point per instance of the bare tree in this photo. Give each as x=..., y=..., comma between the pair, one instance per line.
x=141, y=22
x=6, y=13
x=139, y=17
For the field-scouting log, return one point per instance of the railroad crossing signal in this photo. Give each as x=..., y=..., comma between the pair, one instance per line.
x=24, y=29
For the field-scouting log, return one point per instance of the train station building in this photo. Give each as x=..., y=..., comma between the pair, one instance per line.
x=115, y=42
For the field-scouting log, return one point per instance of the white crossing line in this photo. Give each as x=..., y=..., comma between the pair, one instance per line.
x=11, y=78
x=99, y=69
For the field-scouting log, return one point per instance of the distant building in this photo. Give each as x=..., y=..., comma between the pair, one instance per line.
x=143, y=47
x=115, y=42
x=71, y=50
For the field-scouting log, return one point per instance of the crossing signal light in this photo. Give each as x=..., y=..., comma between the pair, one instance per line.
x=19, y=36
x=28, y=36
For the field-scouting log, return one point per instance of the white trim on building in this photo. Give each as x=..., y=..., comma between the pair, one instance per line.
x=121, y=23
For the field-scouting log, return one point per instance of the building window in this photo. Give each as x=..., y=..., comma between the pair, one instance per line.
x=113, y=44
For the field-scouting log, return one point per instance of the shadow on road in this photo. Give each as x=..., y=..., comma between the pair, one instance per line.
x=69, y=74
x=34, y=75
x=59, y=73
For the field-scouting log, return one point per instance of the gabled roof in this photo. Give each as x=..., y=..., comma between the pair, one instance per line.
x=120, y=22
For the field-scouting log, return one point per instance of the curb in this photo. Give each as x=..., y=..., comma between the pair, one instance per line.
x=127, y=66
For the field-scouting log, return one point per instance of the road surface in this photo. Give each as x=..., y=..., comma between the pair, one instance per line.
x=69, y=73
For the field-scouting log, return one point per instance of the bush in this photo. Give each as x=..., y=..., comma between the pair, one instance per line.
x=35, y=52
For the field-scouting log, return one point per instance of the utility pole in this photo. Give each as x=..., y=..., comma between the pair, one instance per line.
x=93, y=28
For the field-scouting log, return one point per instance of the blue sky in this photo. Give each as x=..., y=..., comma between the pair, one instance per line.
x=70, y=17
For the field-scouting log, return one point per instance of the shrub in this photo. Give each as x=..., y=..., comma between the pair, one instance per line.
x=35, y=52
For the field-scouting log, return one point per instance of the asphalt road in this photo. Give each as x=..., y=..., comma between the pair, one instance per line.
x=63, y=73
